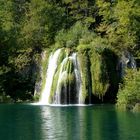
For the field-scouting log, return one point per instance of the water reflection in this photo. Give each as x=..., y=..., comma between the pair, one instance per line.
x=19, y=122
x=129, y=124
x=28, y=122
x=78, y=123
x=86, y=123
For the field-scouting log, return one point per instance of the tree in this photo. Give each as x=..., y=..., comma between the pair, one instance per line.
x=120, y=23
x=80, y=10
x=43, y=19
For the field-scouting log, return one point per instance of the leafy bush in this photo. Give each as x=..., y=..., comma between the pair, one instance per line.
x=71, y=38
x=129, y=92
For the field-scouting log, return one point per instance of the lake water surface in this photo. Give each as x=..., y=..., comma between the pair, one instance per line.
x=34, y=122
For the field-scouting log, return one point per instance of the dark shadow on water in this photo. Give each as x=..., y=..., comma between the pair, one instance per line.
x=19, y=122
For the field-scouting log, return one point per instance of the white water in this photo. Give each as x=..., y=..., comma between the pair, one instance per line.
x=78, y=77
x=64, y=74
x=61, y=105
x=52, y=65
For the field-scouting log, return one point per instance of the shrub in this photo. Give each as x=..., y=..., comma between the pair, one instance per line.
x=129, y=93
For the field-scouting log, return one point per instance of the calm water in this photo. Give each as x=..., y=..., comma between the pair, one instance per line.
x=30, y=122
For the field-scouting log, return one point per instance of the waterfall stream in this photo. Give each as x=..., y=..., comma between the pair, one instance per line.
x=68, y=88
x=52, y=65
x=68, y=77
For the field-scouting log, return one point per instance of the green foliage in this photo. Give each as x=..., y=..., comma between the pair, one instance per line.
x=42, y=21
x=70, y=38
x=6, y=20
x=28, y=26
x=105, y=10
x=129, y=95
x=119, y=23
x=80, y=10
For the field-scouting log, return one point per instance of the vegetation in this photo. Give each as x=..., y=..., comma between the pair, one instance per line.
x=99, y=31
x=85, y=72
x=41, y=73
x=129, y=95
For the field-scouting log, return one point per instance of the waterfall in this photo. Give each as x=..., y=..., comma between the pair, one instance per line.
x=62, y=75
x=52, y=65
x=78, y=77
x=66, y=74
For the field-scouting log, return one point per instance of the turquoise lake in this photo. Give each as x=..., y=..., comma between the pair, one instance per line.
x=97, y=122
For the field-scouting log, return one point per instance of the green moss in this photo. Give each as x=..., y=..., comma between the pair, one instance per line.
x=62, y=55
x=54, y=84
x=43, y=70
x=36, y=97
x=83, y=48
x=85, y=71
x=68, y=79
x=68, y=66
x=94, y=70
x=100, y=81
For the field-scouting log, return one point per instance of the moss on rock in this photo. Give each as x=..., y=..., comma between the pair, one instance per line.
x=83, y=58
x=100, y=80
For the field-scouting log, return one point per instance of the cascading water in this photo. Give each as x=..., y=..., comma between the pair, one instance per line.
x=63, y=80
x=78, y=77
x=49, y=79
x=64, y=75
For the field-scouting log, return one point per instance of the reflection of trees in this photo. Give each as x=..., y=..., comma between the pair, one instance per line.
x=19, y=122
x=105, y=123
x=129, y=124
x=99, y=123
x=67, y=123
